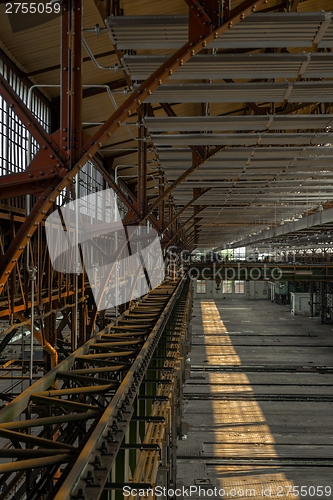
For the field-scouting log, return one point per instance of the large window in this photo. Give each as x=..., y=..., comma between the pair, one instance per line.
x=240, y=253
x=239, y=287
x=226, y=286
x=201, y=286
x=17, y=147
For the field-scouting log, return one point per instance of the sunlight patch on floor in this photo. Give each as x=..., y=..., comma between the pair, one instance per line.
x=241, y=430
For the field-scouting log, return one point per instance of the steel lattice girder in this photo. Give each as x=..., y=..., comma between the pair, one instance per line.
x=132, y=360
x=47, y=198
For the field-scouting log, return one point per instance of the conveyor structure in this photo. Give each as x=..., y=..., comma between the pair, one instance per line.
x=104, y=416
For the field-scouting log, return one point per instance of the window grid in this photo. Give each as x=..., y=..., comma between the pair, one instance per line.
x=226, y=286
x=201, y=286
x=239, y=286
x=15, y=139
x=14, y=136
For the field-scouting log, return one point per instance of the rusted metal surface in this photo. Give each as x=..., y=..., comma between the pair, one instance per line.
x=71, y=88
x=45, y=201
x=46, y=141
x=142, y=171
x=197, y=192
x=95, y=387
x=204, y=17
x=182, y=227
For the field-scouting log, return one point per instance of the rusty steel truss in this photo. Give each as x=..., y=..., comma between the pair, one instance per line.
x=109, y=414
x=33, y=295
x=98, y=411
x=27, y=280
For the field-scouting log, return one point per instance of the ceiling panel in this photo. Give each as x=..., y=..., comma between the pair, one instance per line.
x=238, y=123
x=236, y=66
x=256, y=31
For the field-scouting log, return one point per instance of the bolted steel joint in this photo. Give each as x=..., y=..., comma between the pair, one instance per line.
x=90, y=477
x=110, y=437
x=97, y=462
x=104, y=448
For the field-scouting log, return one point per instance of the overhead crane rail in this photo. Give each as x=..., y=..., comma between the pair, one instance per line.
x=259, y=271
x=112, y=398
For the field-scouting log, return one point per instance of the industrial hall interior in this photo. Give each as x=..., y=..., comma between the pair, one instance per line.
x=166, y=249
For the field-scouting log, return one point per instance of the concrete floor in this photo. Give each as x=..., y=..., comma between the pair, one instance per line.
x=259, y=404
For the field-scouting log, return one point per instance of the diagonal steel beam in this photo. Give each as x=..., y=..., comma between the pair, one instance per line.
x=178, y=59
x=15, y=185
x=204, y=17
x=33, y=463
x=76, y=478
x=190, y=227
x=130, y=203
x=100, y=5
x=251, y=105
x=17, y=437
x=197, y=162
x=199, y=9
x=170, y=112
x=46, y=141
x=186, y=222
x=195, y=197
x=294, y=6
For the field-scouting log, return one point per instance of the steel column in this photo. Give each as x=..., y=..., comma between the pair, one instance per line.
x=142, y=171
x=161, y=207
x=71, y=87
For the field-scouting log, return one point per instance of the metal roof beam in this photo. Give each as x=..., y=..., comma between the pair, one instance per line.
x=45, y=201
x=238, y=123
x=316, y=219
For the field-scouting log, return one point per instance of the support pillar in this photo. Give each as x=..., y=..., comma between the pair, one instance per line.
x=142, y=171
x=71, y=86
x=196, y=222
x=71, y=120
x=162, y=204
